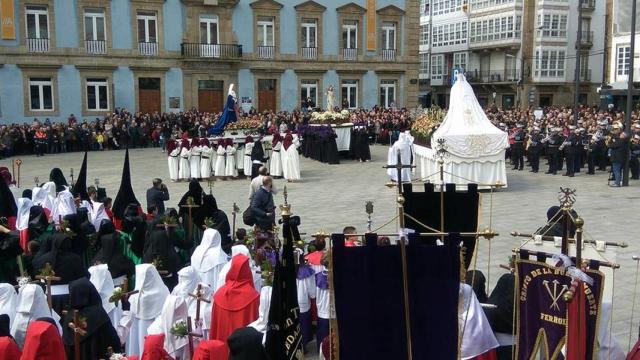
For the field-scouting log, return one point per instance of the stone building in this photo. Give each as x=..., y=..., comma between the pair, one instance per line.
x=89, y=57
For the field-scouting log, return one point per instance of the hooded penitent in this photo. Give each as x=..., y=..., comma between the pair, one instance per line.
x=8, y=207
x=43, y=342
x=125, y=194
x=80, y=187
x=58, y=178
x=111, y=252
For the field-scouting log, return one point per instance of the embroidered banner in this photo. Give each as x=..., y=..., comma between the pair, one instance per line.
x=542, y=311
x=372, y=26
x=8, y=20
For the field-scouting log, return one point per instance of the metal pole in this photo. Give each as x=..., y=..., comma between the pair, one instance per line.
x=576, y=85
x=630, y=90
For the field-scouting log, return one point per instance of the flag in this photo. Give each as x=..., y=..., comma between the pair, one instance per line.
x=80, y=187
x=284, y=339
x=125, y=194
x=576, y=321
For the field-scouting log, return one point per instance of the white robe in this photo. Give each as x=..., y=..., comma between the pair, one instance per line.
x=97, y=213
x=146, y=306
x=248, y=164
x=608, y=347
x=404, y=146
x=478, y=338
x=263, y=312
x=22, y=217
x=307, y=290
x=240, y=158
x=32, y=304
x=230, y=168
x=174, y=164
x=101, y=279
x=208, y=258
x=174, y=310
x=291, y=162
x=194, y=162
x=8, y=301
x=63, y=205
x=184, y=173
x=275, y=167
x=220, y=161
x=205, y=162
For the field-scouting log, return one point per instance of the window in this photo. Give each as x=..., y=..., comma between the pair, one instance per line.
x=623, y=60
x=387, y=93
x=449, y=34
x=97, y=94
x=350, y=94
x=147, y=30
x=552, y=25
x=37, y=22
x=40, y=94
x=309, y=33
x=388, y=35
x=424, y=35
x=550, y=63
x=437, y=69
x=94, y=25
x=460, y=61
x=350, y=34
x=424, y=63
x=424, y=7
x=446, y=6
x=209, y=30
x=495, y=29
x=265, y=32
x=309, y=90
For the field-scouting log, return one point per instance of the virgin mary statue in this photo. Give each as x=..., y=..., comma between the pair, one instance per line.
x=229, y=114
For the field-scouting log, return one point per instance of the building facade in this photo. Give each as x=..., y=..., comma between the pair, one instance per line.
x=89, y=57
x=514, y=52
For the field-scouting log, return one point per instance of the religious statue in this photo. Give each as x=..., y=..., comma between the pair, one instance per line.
x=230, y=113
x=331, y=100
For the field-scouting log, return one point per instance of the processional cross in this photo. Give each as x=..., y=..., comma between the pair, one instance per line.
x=78, y=327
x=199, y=296
x=190, y=205
x=191, y=334
x=403, y=251
x=48, y=278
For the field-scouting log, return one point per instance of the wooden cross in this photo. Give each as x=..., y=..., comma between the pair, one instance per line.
x=191, y=335
x=190, y=219
x=78, y=331
x=125, y=293
x=199, y=296
x=47, y=280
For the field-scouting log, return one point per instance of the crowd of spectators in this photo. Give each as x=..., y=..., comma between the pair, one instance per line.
x=140, y=130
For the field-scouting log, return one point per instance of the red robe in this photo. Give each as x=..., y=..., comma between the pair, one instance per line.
x=43, y=342
x=634, y=354
x=9, y=349
x=211, y=350
x=154, y=348
x=236, y=303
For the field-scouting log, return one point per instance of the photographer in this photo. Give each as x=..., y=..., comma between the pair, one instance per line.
x=157, y=195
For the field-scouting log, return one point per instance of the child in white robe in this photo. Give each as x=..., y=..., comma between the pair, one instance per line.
x=102, y=280
x=194, y=158
x=220, y=160
x=230, y=169
x=174, y=310
x=173, y=158
x=290, y=158
x=185, y=172
x=32, y=304
x=208, y=258
x=205, y=159
x=275, y=166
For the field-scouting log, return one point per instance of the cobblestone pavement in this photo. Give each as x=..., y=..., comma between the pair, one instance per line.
x=330, y=197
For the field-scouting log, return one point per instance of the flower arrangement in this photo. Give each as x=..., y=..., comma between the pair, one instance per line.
x=426, y=123
x=117, y=295
x=170, y=220
x=47, y=271
x=209, y=222
x=244, y=124
x=330, y=117
x=180, y=329
x=266, y=271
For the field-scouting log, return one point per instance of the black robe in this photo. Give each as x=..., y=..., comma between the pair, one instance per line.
x=196, y=192
x=58, y=178
x=134, y=225
x=67, y=265
x=100, y=332
x=209, y=209
x=158, y=246
x=111, y=253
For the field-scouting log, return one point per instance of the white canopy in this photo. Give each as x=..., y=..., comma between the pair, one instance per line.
x=466, y=129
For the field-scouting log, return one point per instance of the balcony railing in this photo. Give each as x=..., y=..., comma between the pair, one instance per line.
x=216, y=51
x=309, y=53
x=587, y=38
x=96, y=46
x=350, y=54
x=38, y=44
x=148, y=48
x=492, y=76
x=388, y=54
x=266, y=52
x=588, y=4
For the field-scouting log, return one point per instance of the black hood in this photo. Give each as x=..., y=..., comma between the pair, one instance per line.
x=125, y=194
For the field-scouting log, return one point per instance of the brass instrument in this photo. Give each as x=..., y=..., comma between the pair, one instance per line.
x=564, y=143
x=608, y=140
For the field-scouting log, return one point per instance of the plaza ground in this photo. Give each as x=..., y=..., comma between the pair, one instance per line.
x=330, y=197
